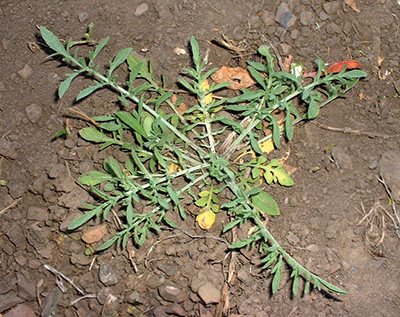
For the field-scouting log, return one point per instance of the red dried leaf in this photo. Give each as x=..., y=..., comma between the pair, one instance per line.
x=336, y=68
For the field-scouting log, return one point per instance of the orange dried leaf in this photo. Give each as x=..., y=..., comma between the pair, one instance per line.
x=181, y=108
x=336, y=68
x=352, y=4
x=239, y=77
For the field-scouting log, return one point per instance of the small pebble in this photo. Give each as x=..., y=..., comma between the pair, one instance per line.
x=83, y=16
x=25, y=72
x=141, y=9
x=172, y=293
x=107, y=275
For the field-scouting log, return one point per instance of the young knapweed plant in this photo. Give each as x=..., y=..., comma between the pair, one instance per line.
x=165, y=146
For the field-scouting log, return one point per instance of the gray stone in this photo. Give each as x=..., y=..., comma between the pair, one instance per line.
x=107, y=275
x=80, y=258
x=209, y=293
x=25, y=72
x=34, y=112
x=141, y=9
x=171, y=293
x=341, y=157
x=292, y=238
x=284, y=16
x=132, y=297
x=8, y=149
x=389, y=169
x=74, y=199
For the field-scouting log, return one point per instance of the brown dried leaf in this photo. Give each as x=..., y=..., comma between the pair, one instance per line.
x=352, y=4
x=182, y=107
x=239, y=77
x=287, y=63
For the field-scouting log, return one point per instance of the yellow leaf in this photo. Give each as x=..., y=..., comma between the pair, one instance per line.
x=267, y=146
x=173, y=168
x=205, y=85
x=206, y=218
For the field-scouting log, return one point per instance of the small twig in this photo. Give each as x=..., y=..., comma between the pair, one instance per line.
x=83, y=297
x=10, y=206
x=216, y=10
x=203, y=237
x=356, y=132
x=85, y=116
x=38, y=286
x=59, y=274
x=394, y=209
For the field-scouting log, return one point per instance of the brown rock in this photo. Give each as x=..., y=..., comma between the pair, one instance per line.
x=94, y=234
x=21, y=310
x=171, y=293
x=209, y=293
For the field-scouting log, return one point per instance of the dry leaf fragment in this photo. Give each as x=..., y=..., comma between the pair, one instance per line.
x=380, y=60
x=287, y=63
x=352, y=4
x=182, y=106
x=239, y=77
x=179, y=51
x=205, y=85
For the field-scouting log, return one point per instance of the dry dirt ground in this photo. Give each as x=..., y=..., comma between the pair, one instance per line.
x=337, y=156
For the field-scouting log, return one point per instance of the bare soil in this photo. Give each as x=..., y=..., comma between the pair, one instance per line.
x=337, y=159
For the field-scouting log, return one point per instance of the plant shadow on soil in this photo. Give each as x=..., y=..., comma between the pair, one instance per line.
x=319, y=215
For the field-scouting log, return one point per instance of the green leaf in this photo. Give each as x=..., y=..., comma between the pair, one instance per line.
x=112, y=166
x=201, y=202
x=94, y=178
x=119, y=59
x=66, y=83
x=94, y=135
x=52, y=41
x=111, y=126
x=131, y=122
x=195, y=51
x=185, y=84
x=254, y=144
x=232, y=224
x=82, y=219
x=163, y=98
x=332, y=288
x=87, y=91
x=355, y=74
x=265, y=203
x=240, y=244
x=277, y=276
x=108, y=244
x=258, y=77
x=98, y=48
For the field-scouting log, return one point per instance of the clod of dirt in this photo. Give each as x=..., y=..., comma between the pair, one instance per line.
x=174, y=294
x=284, y=16
x=37, y=213
x=9, y=300
x=26, y=290
x=209, y=293
x=21, y=310
x=342, y=159
x=33, y=112
x=83, y=16
x=176, y=310
x=25, y=72
x=155, y=281
x=8, y=149
x=107, y=275
x=71, y=217
x=389, y=168
x=94, y=234
x=170, y=269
